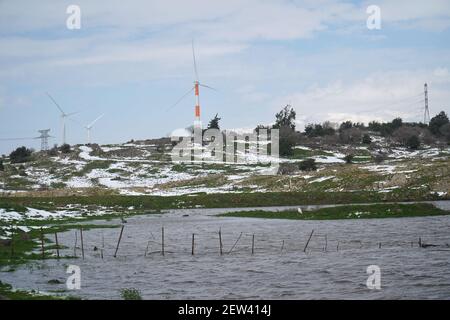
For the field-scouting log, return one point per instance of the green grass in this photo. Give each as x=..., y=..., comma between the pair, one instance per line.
x=28, y=249
x=6, y=291
x=130, y=294
x=348, y=212
x=222, y=200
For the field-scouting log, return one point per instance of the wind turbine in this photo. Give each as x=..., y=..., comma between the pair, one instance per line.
x=89, y=127
x=196, y=89
x=63, y=118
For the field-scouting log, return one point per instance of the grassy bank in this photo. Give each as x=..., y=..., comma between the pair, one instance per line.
x=348, y=212
x=223, y=200
x=7, y=292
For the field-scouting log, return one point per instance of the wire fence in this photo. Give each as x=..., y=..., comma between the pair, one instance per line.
x=217, y=243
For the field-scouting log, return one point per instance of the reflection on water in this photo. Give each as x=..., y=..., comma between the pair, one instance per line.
x=334, y=265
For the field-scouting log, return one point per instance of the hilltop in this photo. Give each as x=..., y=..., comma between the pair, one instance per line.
x=145, y=168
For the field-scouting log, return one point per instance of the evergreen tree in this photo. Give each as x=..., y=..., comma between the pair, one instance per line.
x=437, y=122
x=21, y=154
x=214, y=123
x=285, y=118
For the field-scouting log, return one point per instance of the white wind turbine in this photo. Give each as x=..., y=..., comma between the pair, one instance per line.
x=89, y=127
x=63, y=118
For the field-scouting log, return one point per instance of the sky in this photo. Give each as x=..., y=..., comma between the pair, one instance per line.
x=133, y=60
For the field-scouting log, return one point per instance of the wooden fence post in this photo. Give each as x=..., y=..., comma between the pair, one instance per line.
x=118, y=242
x=309, y=239
x=82, y=243
x=57, y=244
x=253, y=244
x=220, y=241
x=162, y=242
x=42, y=243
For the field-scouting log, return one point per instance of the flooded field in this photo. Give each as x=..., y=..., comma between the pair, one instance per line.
x=333, y=266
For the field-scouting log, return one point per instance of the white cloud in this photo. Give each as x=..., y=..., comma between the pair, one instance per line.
x=379, y=96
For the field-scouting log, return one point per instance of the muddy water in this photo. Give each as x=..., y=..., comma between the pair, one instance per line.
x=334, y=265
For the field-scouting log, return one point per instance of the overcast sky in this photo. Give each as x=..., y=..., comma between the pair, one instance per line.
x=132, y=60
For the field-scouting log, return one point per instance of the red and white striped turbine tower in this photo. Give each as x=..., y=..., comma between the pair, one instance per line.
x=196, y=89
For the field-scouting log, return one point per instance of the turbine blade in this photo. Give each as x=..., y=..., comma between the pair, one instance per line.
x=195, y=62
x=56, y=104
x=77, y=122
x=93, y=122
x=204, y=85
x=71, y=114
x=179, y=100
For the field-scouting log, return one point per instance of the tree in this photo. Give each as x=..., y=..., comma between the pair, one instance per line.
x=21, y=154
x=366, y=139
x=346, y=125
x=437, y=122
x=396, y=123
x=2, y=167
x=285, y=118
x=351, y=136
x=375, y=126
x=319, y=130
x=287, y=141
x=308, y=165
x=445, y=131
x=413, y=142
x=214, y=123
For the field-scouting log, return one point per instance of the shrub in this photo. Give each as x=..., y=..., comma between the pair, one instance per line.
x=53, y=152
x=21, y=154
x=130, y=294
x=65, y=148
x=349, y=158
x=286, y=168
x=308, y=165
x=445, y=131
x=366, y=139
x=379, y=157
x=2, y=167
x=413, y=142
